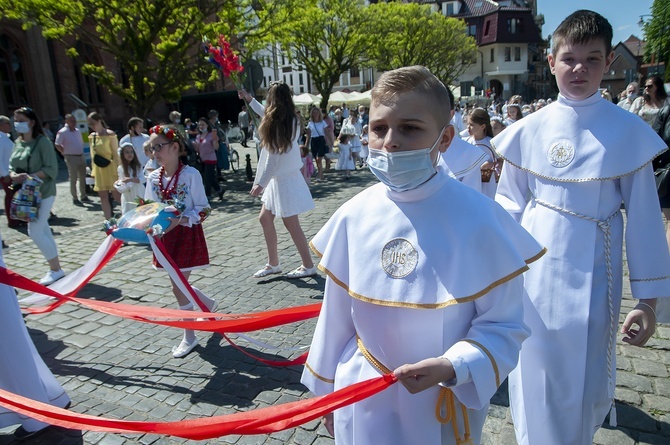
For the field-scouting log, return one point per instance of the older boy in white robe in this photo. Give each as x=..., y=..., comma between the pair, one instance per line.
x=568, y=168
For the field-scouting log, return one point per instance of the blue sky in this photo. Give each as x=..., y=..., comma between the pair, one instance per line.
x=622, y=14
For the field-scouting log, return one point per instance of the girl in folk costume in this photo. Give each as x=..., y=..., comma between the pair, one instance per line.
x=181, y=186
x=130, y=182
x=479, y=128
x=345, y=160
x=278, y=178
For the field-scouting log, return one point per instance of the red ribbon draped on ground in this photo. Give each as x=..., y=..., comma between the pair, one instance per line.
x=174, y=317
x=258, y=421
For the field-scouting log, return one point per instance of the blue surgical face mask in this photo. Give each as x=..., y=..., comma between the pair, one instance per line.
x=404, y=170
x=22, y=127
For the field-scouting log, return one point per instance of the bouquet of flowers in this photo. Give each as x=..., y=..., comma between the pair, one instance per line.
x=228, y=62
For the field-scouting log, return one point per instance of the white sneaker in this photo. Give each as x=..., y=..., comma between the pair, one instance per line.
x=52, y=276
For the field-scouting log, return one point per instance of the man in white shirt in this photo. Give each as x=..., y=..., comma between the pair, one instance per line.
x=137, y=137
x=631, y=94
x=71, y=145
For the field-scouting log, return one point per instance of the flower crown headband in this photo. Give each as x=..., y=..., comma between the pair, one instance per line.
x=169, y=133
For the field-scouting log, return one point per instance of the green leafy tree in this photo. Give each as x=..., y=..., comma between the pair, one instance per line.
x=408, y=34
x=156, y=43
x=657, y=32
x=328, y=38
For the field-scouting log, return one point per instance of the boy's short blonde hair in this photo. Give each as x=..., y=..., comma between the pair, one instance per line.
x=416, y=79
x=581, y=27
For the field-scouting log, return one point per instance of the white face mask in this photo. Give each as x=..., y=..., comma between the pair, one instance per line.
x=203, y=130
x=22, y=127
x=176, y=121
x=403, y=170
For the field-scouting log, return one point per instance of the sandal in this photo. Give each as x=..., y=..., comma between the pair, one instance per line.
x=302, y=272
x=267, y=270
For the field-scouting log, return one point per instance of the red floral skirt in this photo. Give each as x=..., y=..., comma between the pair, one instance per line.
x=186, y=246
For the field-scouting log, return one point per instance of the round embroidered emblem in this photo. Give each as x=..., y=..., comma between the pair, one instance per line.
x=561, y=153
x=399, y=258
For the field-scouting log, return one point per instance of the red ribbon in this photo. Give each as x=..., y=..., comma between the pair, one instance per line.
x=174, y=317
x=258, y=421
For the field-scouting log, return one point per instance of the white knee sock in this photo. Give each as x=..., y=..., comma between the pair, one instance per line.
x=189, y=334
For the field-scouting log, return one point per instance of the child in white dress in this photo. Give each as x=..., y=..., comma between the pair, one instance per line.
x=345, y=160
x=130, y=183
x=479, y=128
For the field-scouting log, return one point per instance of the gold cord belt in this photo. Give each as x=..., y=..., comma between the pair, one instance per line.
x=446, y=398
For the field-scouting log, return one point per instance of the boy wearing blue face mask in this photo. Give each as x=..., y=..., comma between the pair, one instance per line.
x=430, y=289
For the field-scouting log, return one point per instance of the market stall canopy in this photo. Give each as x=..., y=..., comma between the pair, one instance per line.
x=306, y=99
x=338, y=97
x=360, y=98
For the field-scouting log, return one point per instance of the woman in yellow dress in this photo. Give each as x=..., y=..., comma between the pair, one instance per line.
x=104, y=144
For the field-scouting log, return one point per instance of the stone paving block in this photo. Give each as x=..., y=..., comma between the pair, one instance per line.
x=662, y=387
x=643, y=353
x=321, y=440
x=628, y=396
x=112, y=440
x=634, y=382
x=656, y=402
x=663, y=332
x=623, y=364
x=650, y=368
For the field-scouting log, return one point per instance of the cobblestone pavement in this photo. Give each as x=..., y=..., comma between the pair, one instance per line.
x=124, y=369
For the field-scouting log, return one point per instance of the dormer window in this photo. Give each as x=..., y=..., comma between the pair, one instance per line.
x=514, y=26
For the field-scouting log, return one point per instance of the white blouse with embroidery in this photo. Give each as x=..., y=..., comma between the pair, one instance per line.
x=189, y=191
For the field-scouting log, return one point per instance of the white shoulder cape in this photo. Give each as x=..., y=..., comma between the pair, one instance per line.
x=461, y=158
x=576, y=141
x=440, y=244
